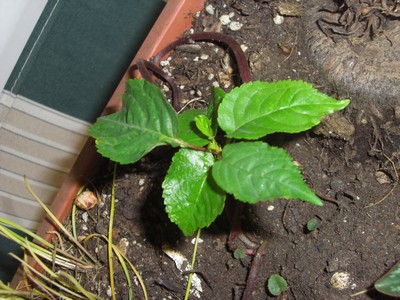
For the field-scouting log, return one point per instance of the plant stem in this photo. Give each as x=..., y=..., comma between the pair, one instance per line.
x=144, y=66
x=110, y=231
x=236, y=228
x=194, y=147
x=255, y=266
x=192, y=265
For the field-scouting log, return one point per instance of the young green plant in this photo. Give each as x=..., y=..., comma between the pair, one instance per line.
x=206, y=168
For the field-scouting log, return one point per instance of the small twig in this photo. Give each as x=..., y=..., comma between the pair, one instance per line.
x=294, y=45
x=329, y=199
x=192, y=101
x=255, y=266
x=284, y=216
x=360, y=293
x=394, y=185
x=167, y=285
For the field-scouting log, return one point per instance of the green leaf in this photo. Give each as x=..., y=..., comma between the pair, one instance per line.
x=192, y=198
x=146, y=120
x=218, y=95
x=256, y=109
x=255, y=171
x=188, y=131
x=312, y=224
x=239, y=253
x=204, y=125
x=277, y=285
x=389, y=284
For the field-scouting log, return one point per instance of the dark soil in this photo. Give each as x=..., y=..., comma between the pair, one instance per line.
x=350, y=161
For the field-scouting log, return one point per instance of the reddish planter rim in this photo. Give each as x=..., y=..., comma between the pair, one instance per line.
x=173, y=21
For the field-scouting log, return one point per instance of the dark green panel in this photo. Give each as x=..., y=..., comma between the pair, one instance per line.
x=8, y=264
x=82, y=53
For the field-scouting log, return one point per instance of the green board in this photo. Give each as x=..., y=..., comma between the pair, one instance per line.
x=79, y=51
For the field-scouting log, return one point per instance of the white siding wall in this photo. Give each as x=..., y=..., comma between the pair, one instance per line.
x=40, y=143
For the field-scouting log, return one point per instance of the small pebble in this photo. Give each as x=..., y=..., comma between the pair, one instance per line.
x=164, y=63
x=193, y=241
x=235, y=26
x=224, y=19
x=85, y=217
x=340, y=280
x=278, y=19
x=86, y=200
x=210, y=9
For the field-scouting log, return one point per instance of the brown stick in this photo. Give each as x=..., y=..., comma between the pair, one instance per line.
x=253, y=273
x=237, y=51
x=144, y=66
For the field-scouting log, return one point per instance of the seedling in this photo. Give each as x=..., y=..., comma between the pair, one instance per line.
x=220, y=148
x=239, y=253
x=206, y=168
x=312, y=224
x=277, y=285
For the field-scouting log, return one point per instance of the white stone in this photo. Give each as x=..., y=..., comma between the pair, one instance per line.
x=278, y=19
x=224, y=19
x=210, y=9
x=235, y=26
x=164, y=63
x=340, y=280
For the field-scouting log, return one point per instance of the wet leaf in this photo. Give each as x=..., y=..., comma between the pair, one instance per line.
x=256, y=109
x=146, y=120
x=204, y=125
x=188, y=130
x=192, y=198
x=255, y=171
x=217, y=96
